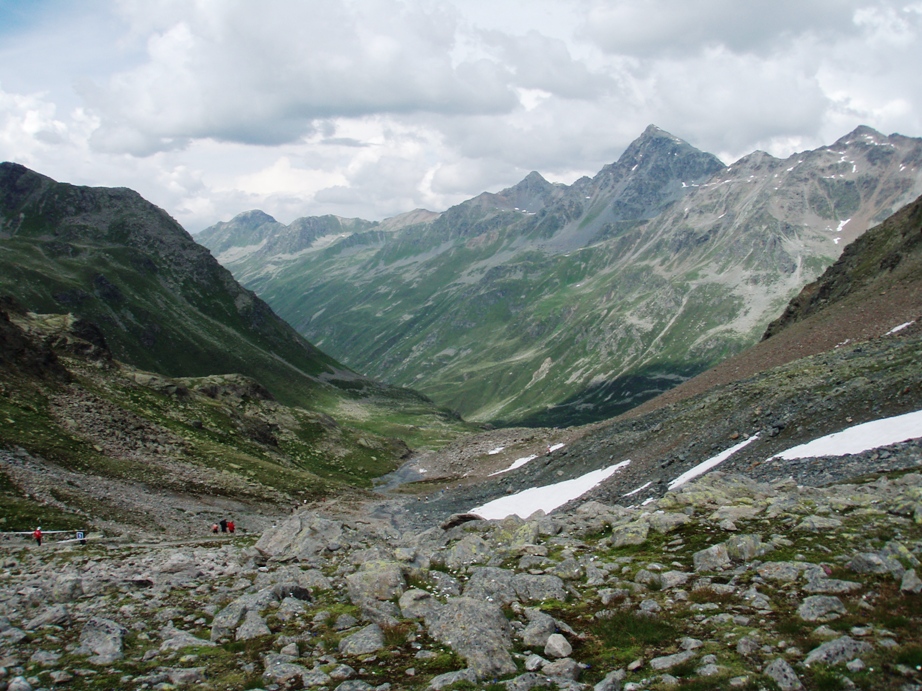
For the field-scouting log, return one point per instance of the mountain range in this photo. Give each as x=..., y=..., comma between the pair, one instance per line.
x=112, y=258
x=552, y=304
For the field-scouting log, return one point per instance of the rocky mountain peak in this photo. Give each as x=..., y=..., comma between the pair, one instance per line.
x=252, y=219
x=861, y=135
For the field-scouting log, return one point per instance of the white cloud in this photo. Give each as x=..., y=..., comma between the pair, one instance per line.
x=370, y=108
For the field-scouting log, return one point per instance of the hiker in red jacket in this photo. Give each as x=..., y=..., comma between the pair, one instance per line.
x=37, y=534
x=230, y=527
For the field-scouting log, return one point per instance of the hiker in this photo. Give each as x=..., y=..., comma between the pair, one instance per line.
x=37, y=534
x=214, y=528
x=81, y=536
x=223, y=524
x=230, y=527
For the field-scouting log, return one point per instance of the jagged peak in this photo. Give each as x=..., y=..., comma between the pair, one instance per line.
x=861, y=135
x=529, y=182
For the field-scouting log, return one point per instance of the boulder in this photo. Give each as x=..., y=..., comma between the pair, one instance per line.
x=670, y=661
x=175, y=639
x=557, y=646
x=253, y=626
x=667, y=522
x=378, y=580
x=835, y=652
x=540, y=627
x=104, y=638
x=57, y=615
x=538, y=587
x=745, y=547
x=491, y=584
x=471, y=549
x=416, y=604
x=815, y=524
x=821, y=608
x=478, y=631
x=713, y=558
x=911, y=583
x=450, y=678
x=779, y=671
x=364, y=641
x=304, y=537
x=634, y=533
x=67, y=588
x=566, y=668
x=872, y=562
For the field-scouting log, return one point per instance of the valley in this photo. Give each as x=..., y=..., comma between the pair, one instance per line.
x=698, y=555
x=553, y=305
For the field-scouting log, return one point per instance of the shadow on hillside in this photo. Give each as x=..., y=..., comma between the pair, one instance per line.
x=604, y=400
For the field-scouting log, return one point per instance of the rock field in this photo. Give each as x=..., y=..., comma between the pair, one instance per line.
x=727, y=582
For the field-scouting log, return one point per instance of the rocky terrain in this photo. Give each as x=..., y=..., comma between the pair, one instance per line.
x=727, y=582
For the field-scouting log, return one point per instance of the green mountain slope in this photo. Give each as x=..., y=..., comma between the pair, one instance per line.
x=165, y=305
x=548, y=304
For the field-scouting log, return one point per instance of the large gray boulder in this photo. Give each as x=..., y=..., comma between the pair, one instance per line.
x=557, y=646
x=253, y=626
x=539, y=629
x=538, y=587
x=838, y=651
x=491, y=584
x=176, y=639
x=783, y=675
x=416, y=604
x=56, y=615
x=714, y=558
x=364, y=641
x=103, y=638
x=471, y=549
x=821, y=608
x=304, y=537
x=478, y=631
x=449, y=678
x=377, y=581
x=227, y=621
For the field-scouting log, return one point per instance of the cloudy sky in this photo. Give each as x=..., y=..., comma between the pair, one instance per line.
x=374, y=107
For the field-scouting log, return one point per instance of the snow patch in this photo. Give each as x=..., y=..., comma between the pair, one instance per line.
x=493, y=452
x=553, y=448
x=523, y=504
x=702, y=468
x=635, y=491
x=517, y=463
x=842, y=224
x=899, y=328
x=859, y=438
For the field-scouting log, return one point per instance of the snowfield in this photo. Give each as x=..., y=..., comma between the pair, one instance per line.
x=863, y=437
x=517, y=463
x=855, y=439
x=547, y=498
x=702, y=468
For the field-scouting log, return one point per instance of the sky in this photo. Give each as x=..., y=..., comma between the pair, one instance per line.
x=370, y=108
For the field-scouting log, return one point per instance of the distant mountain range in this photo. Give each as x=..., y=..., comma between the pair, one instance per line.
x=549, y=304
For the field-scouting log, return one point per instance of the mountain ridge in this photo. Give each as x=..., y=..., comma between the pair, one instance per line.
x=553, y=304
x=165, y=305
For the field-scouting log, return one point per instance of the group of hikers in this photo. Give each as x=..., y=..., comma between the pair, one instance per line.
x=224, y=525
